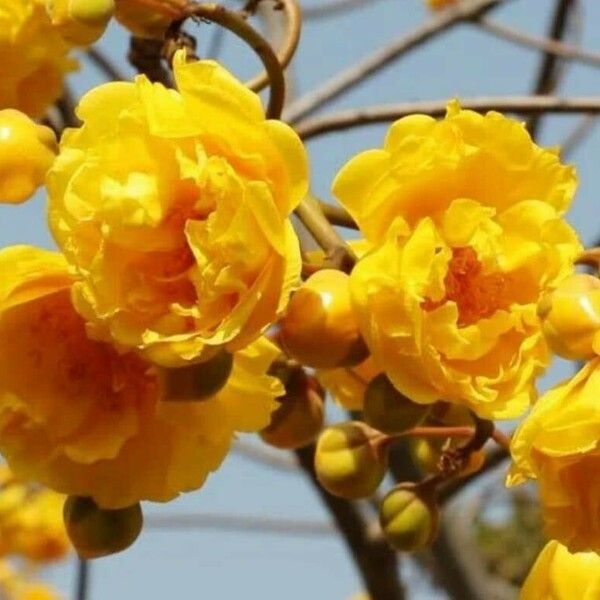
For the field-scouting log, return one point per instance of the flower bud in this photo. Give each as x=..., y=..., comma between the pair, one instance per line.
x=197, y=381
x=409, y=517
x=97, y=532
x=571, y=316
x=348, y=460
x=80, y=22
x=27, y=151
x=319, y=328
x=387, y=410
x=299, y=418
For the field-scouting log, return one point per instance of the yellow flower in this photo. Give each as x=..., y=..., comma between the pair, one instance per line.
x=559, y=575
x=34, y=57
x=26, y=153
x=16, y=584
x=559, y=445
x=466, y=216
x=173, y=207
x=87, y=420
x=80, y=22
x=31, y=523
x=347, y=385
x=147, y=18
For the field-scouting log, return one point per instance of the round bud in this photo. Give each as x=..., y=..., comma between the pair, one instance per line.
x=80, y=22
x=426, y=453
x=348, y=460
x=319, y=328
x=97, y=532
x=196, y=381
x=409, y=517
x=27, y=151
x=299, y=418
x=387, y=410
x=571, y=316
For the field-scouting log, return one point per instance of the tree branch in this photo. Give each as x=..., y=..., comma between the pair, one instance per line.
x=338, y=84
x=390, y=112
x=376, y=561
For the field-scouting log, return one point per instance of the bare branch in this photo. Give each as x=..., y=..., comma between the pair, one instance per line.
x=105, y=65
x=390, y=112
x=550, y=68
x=338, y=84
x=240, y=523
x=561, y=49
x=583, y=128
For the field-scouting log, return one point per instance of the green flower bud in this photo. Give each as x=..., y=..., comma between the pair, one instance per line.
x=197, y=381
x=299, y=418
x=97, y=532
x=409, y=517
x=349, y=461
x=387, y=410
x=80, y=22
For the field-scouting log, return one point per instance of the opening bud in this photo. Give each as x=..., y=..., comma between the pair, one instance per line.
x=350, y=460
x=319, y=328
x=571, y=316
x=299, y=418
x=387, y=410
x=409, y=517
x=197, y=381
x=97, y=532
x=80, y=22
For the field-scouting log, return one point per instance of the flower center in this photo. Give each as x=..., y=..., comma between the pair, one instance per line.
x=477, y=295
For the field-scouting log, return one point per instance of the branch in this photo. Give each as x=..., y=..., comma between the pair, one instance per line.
x=548, y=45
x=583, y=128
x=338, y=84
x=338, y=215
x=145, y=55
x=550, y=71
x=240, y=523
x=82, y=582
x=376, y=561
x=105, y=65
x=235, y=23
x=390, y=112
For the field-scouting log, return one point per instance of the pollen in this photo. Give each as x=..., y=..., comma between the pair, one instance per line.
x=477, y=295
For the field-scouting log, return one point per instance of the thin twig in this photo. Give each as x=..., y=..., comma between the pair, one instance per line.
x=66, y=108
x=561, y=49
x=390, y=112
x=375, y=560
x=583, y=128
x=277, y=460
x=146, y=56
x=330, y=8
x=550, y=67
x=83, y=579
x=240, y=523
x=235, y=23
x=105, y=65
x=360, y=71
x=338, y=215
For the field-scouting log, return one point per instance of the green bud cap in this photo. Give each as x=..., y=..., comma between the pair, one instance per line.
x=197, y=381
x=409, y=517
x=390, y=411
x=299, y=418
x=97, y=532
x=348, y=460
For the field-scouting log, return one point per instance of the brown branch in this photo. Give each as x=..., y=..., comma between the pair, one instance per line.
x=338, y=253
x=278, y=460
x=66, y=108
x=105, y=65
x=338, y=84
x=240, y=523
x=338, y=215
x=235, y=23
x=390, y=112
x=550, y=68
x=583, y=128
x=146, y=56
x=330, y=8
x=375, y=560
x=293, y=20
x=565, y=51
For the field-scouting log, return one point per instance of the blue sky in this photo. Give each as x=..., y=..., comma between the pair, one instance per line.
x=464, y=62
